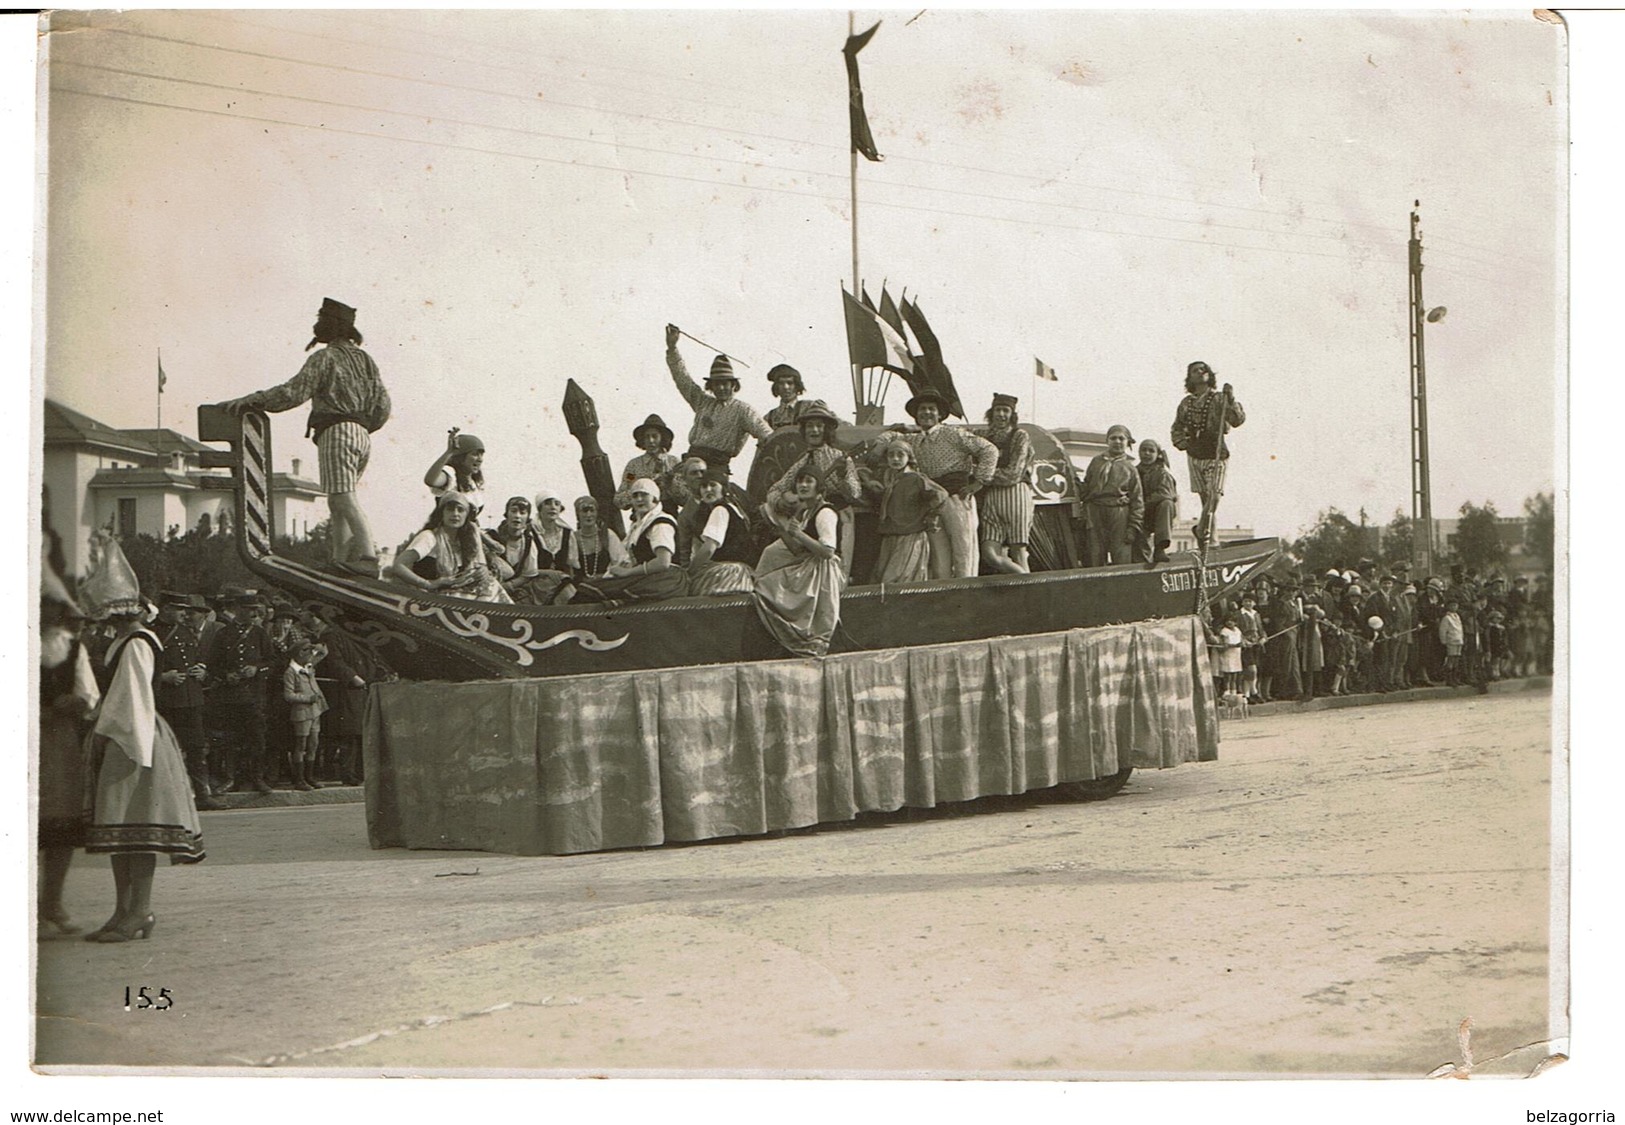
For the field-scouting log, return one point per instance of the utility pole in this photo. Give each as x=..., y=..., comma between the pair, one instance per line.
x=1421, y=484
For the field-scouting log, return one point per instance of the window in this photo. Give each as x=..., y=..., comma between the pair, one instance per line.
x=125, y=524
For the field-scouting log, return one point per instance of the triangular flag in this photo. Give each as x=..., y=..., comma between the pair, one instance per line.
x=1045, y=371
x=864, y=341
x=162, y=378
x=941, y=378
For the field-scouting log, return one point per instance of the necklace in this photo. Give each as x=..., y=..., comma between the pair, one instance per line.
x=589, y=563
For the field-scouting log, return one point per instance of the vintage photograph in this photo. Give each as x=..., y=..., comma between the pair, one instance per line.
x=753, y=544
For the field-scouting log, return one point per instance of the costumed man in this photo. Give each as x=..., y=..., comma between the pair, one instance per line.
x=1113, y=504
x=788, y=387
x=962, y=463
x=241, y=653
x=721, y=421
x=179, y=688
x=1198, y=430
x=837, y=472
x=655, y=463
x=348, y=403
x=1005, y=507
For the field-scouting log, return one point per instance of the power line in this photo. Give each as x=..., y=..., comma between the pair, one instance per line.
x=623, y=171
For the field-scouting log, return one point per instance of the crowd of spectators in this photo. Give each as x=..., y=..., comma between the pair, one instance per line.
x=1367, y=629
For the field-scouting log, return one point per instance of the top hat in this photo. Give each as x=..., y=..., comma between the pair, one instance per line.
x=653, y=422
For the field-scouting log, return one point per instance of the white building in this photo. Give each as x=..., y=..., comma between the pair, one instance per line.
x=147, y=482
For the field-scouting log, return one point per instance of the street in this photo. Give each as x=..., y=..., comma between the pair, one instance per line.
x=1333, y=896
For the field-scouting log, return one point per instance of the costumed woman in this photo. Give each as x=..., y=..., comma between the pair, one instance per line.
x=594, y=547
x=1005, y=506
x=724, y=549
x=655, y=463
x=554, y=583
x=449, y=555
x=910, y=505
x=800, y=578
x=141, y=801
x=461, y=468
x=1160, y=490
x=67, y=695
x=649, y=572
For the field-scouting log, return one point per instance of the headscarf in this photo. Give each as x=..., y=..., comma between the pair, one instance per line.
x=546, y=493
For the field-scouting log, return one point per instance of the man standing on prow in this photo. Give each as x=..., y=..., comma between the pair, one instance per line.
x=1199, y=430
x=348, y=403
x=721, y=421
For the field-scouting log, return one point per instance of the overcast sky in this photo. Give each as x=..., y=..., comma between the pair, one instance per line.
x=513, y=199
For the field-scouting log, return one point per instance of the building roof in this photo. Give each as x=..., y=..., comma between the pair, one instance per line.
x=166, y=442
x=143, y=478
x=69, y=427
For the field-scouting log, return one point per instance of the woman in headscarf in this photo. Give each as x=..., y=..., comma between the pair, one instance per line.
x=649, y=572
x=448, y=555
x=140, y=802
x=554, y=583
x=461, y=468
x=594, y=548
x=724, y=548
x=1113, y=505
x=910, y=505
x=799, y=579
x=67, y=694
x=1160, y=490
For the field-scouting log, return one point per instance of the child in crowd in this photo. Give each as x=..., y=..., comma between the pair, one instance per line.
x=1252, y=643
x=1451, y=636
x=1230, y=655
x=305, y=706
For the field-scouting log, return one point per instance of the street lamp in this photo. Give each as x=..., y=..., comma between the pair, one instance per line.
x=1421, y=483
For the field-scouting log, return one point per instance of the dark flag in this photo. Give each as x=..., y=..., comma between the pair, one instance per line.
x=862, y=140
x=864, y=340
x=942, y=380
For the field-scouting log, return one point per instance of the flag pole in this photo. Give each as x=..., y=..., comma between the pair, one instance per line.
x=857, y=393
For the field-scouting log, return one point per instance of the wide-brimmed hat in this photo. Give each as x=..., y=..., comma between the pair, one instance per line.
x=913, y=405
x=785, y=371
x=818, y=410
x=653, y=422
x=722, y=369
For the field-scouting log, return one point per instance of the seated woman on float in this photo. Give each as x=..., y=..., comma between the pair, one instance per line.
x=724, y=549
x=800, y=577
x=649, y=572
x=837, y=473
x=448, y=555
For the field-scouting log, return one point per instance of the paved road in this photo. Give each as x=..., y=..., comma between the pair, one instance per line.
x=1334, y=895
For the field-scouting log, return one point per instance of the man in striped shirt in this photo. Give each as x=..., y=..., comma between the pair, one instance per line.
x=347, y=402
x=960, y=462
x=721, y=421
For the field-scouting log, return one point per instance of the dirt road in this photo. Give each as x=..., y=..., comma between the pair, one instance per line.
x=1334, y=895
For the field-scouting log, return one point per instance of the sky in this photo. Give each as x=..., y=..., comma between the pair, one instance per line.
x=514, y=199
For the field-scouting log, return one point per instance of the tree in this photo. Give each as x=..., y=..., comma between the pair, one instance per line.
x=1398, y=539
x=1540, y=530
x=1334, y=540
x=1478, y=537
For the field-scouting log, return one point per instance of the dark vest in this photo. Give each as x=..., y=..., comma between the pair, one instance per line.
x=811, y=524
x=738, y=545
x=641, y=550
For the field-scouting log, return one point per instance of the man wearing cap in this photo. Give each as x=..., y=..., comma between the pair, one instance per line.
x=1380, y=604
x=348, y=402
x=962, y=463
x=179, y=686
x=1403, y=638
x=1005, y=507
x=241, y=653
x=1518, y=631
x=1113, y=504
x=1429, y=610
x=788, y=387
x=721, y=421
x=1199, y=430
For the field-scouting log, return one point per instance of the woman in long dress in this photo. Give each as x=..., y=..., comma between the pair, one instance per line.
x=799, y=579
x=594, y=548
x=649, y=572
x=140, y=805
x=67, y=694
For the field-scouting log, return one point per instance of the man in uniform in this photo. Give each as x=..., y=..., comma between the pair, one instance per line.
x=240, y=655
x=181, y=671
x=1198, y=430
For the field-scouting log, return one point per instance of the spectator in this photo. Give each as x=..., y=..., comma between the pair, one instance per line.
x=306, y=705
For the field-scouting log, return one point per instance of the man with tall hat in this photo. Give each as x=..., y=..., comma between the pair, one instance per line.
x=721, y=421
x=179, y=686
x=348, y=402
x=788, y=389
x=1113, y=501
x=241, y=655
x=962, y=463
x=1199, y=430
x=1004, y=508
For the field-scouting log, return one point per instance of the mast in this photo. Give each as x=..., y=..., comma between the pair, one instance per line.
x=1421, y=484
x=858, y=405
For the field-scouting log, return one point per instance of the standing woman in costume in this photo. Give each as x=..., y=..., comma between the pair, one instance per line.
x=1160, y=490
x=1005, y=506
x=800, y=578
x=1113, y=505
x=655, y=463
x=141, y=798
x=909, y=505
x=67, y=695
x=461, y=468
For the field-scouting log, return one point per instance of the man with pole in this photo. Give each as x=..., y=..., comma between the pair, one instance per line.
x=721, y=421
